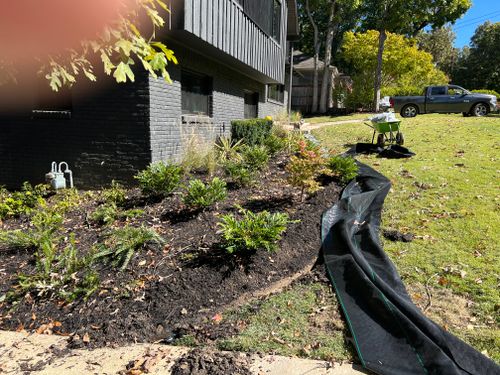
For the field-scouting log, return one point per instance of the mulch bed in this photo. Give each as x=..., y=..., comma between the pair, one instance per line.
x=181, y=289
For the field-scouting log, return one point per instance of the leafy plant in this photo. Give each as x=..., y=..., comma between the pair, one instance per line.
x=159, y=179
x=274, y=144
x=253, y=231
x=201, y=196
x=238, y=173
x=17, y=240
x=255, y=158
x=115, y=194
x=227, y=149
x=23, y=202
x=252, y=131
x=304, y=168
x=344, y=167
x=105, y=214
x=121, y=244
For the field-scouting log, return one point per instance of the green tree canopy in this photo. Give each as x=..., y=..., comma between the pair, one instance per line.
x=407, y=70
x=439, y=43
x=479, y=65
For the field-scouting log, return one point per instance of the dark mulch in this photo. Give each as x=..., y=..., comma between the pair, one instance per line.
x=199, y=362
x=180, y=289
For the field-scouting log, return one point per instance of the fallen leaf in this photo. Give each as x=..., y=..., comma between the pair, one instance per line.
x=86, y=338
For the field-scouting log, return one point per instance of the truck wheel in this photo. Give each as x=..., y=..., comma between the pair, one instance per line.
x=381, y=140
x=480, y=110
x=400, y=139
x=409, y=111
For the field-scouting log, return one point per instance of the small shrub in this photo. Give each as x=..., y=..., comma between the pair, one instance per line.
x=65, y=200
x=105, y=214
x=24, y=202
x=17, y=240
x=132, y=214
x=121, y=244
x=255, y=158
x=115, y=194
x=252, y=132
x=274, y=144
x=343, y=167
x=159, y=179
x=253, y=231
x=227, y=149
x=238, y=173
x=201, y=196
x=304, y=168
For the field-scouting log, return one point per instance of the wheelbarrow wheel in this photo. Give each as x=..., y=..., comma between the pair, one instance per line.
x=381, y=140
x=400, y=139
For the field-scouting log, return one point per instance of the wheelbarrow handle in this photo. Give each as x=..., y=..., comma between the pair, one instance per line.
x=369, y=125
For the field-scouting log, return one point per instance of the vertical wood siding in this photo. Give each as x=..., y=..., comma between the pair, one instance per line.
x=223, y=24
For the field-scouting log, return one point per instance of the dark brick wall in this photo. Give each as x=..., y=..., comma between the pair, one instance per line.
x=106, y=138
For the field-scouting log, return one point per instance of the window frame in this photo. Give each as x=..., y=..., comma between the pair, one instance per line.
x=280, y=90
x=206, y=90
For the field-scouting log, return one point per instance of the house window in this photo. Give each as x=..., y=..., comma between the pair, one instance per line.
x=52, y=104
x=276, y=93
x=196, y=93
x=251, y=104
x=266, y=14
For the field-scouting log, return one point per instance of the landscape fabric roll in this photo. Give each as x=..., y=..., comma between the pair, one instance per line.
x=391, y=335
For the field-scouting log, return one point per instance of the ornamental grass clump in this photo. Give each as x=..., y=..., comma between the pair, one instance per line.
x=201, y=196
x=253, y=231
x=159, y=179
x=343, y=167
x=121, y=244
x=304, y=168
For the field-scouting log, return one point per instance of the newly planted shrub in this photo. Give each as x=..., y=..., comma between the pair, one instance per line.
x=228, y=150
x=159, y=179
x=18, y=240
x=238, y=173
x=274, y=144
x=343, y=167
x=105, y=214
x=255, y=158
x=252, y=131
x=201, y=196
x=121, y=244
x=304, y=168
x=14, y=204
x=253, y=231
x=115, y=194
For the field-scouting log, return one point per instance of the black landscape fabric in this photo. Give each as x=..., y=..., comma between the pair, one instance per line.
x=391, y=335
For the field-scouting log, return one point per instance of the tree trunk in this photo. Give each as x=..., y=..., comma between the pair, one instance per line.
x=317, y=47
x=323, y=103
x=378, y=73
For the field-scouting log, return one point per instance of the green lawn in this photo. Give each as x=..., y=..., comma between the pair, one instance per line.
x=448, y=196
x=353, y=116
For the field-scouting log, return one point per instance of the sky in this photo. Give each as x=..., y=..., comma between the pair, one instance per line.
x=480, y=12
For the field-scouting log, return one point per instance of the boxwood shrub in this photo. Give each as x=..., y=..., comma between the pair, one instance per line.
x=252, y=131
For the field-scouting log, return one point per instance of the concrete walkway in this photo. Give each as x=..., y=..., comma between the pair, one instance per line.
x=49, y=355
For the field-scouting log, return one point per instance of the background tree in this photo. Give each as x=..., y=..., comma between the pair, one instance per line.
x=479, y=66
x=439, y=43
x=316, y=47
x=406, y=17
x=345, y=18
x=407, y=70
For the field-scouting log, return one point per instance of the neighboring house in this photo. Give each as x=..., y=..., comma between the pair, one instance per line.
x=303, y=79
x=231, y=65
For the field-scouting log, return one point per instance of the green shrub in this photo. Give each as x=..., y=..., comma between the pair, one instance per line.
x=305, y=167
x=253, y=231
x=105, y=214
x=238, y=173
x=252, y=131
x=17, y=240
x=255, y=158
x=159, y=179
x=121, y=244
x=274, y=144
x=201, y=196
x=23, y=202
x=131, y=214
x=343, y=167
x=227, y=149
x=115, y=194
x=487, y=92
